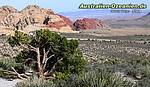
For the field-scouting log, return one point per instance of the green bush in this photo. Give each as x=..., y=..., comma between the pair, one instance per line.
x=101, y=78
x=19, y=37
x=6, y=64
x=145, y=82
x=5, y=68
x=36, y=83
x=98, y=78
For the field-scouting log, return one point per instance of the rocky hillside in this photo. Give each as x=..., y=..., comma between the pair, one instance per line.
x=88, y=23
x=5, y=10
x=32, y=17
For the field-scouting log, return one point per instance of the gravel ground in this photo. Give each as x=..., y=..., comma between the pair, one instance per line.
x=6, y=83
x=96, y=49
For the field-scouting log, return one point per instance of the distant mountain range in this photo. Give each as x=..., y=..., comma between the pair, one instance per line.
x=114, y=20
x=103, y=14
x=141, y=22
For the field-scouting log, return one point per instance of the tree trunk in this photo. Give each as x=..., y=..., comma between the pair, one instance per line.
x=40, y=69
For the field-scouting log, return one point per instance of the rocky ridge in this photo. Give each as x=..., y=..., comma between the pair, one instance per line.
x=35, y=16
x=5, y=10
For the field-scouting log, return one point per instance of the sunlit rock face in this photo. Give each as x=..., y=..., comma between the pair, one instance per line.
x=33, y=16
x=5, y=10
x=88, y=23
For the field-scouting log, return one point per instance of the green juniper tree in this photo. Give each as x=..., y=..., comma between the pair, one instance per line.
x=48, y=54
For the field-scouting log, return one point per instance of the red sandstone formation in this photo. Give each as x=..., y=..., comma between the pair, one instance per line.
x=88, y=23
x=31, y=16
x=67, y=20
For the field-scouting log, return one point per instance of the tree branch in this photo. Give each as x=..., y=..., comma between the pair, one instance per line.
x=53, y=68
x=44, y=56
x=28, y=47
x=40, y=68
x=50, y=47
x=18, y=75
x=45, y=53
x=28, y=60
x=48, y=50
x=32, y=48
x=23, y=46
x=45, y=62
x=8, y=71
x=14, y=73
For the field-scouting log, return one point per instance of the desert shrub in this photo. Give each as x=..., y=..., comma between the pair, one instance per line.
x=97, y=78
x=5, y=68
x=139, y=61
x=36, y=83
x=19, y=37
x=7, y=75
x=145, y=82
x=6, y=64
x=113, y=61
x=101, y=78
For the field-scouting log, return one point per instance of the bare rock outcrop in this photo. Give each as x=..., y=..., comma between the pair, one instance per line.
x=34, y=16
x=18, y=21
x=88, y=23
x=6, y=10
x=37, y=13
x=59, y=22
x=67, y=20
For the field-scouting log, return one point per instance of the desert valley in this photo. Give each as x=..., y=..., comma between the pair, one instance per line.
x=120, y=47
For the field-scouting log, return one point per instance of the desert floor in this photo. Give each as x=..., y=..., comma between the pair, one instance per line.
x=118, y=32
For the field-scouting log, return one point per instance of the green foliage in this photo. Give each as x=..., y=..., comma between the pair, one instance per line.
x=6, y=64
x=35, y=83
x=22, y=56
x=74, y=64
x=98, y=78
x=18, y=39
x=72, y=59
x=143, y=83
x=101, y=78
x=61, y=76
x=7, y=75
x=113, y=61
x=143, y=61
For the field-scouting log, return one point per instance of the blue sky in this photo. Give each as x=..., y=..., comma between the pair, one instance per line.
x=65, y=5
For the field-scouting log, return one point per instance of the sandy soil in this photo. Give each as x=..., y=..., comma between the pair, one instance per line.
x=96, y=32
x=118, y=32
x=29, y=28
